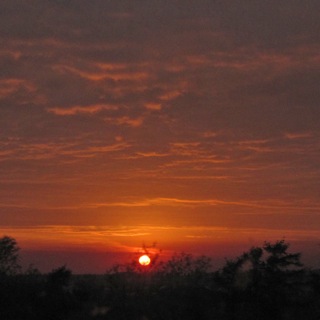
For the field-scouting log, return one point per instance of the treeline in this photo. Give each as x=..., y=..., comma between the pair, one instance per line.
x=266, y=282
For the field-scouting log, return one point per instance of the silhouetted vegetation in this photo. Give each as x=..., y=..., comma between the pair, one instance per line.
x=266, y=282
x=9, y=256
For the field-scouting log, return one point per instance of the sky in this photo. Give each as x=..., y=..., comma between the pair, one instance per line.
x=194, y=124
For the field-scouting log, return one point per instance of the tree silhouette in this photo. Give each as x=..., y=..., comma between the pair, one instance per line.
x=9, y=256
x=279, y=259
x=270, y=259
x=264, y=283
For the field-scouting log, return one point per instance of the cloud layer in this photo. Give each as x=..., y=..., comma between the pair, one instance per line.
x=171, y=112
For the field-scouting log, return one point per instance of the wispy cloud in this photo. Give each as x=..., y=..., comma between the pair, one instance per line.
x=151, y=154
x=109, y=114
x=103, y=72
x=180, y=202
x=298, y=135
x=125, y=120
x=153, y=106
x=81, y=110
x=46, y=151
x=119, y=238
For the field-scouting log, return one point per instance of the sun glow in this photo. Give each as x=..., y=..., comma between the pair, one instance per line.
x=144, y=260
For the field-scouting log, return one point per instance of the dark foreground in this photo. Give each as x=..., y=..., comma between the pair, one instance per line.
x=264, y=283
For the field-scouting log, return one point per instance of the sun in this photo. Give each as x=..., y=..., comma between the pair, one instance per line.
x=144, y=260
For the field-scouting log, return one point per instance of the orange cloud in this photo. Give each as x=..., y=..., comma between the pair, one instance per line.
x=43, y=151
x=153, y=106
x=170, y=95
x=125, y=120
x=9, y=86
x=167, y=202
x=298, y=135
x=81, y=110
x=103, y=73
x=151, y=154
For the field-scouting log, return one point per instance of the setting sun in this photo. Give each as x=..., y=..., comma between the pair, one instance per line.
x=144, y=260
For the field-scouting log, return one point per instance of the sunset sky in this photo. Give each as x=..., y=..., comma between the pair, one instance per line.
x=191, y=123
